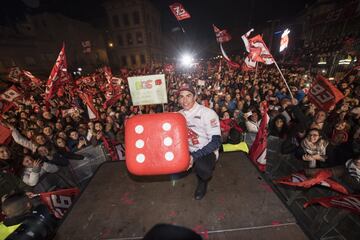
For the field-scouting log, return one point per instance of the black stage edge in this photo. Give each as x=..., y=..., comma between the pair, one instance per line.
x=239, y=205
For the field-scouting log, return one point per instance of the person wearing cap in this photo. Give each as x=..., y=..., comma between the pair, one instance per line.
x=204, y=137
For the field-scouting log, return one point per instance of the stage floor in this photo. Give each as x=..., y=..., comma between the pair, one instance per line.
x=239, y=205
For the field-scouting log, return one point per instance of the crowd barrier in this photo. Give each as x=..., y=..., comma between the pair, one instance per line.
x=77, y=174
x=318, y=222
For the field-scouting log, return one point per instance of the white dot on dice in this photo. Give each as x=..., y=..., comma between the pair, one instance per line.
x=139, y=129
x=139, y=143
x=166, y=126
x=168, y=141
x=140, y=158
x=169, y=156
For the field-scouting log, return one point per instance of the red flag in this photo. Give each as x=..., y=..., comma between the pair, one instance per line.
x=15, y=74
x=349, y=202
x=33, y=80
x=323, y=94
x=88, y=100
x=179, y=11
x=11, y=94
x=221, y=35
x=265, y=55
x=322, y=178
x=258, y=149
x=228, y=60
x=111, y=101
x=58, y=76
x=58, y=202
x=258, y=51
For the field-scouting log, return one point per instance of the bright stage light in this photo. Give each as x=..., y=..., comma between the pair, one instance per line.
x=187, y=60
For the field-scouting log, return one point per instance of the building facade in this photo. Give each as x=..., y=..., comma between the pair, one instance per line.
x=134, y=33
x=34, y=44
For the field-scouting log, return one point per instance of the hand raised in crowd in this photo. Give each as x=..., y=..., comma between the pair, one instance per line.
x=294, y=101
x=37, y=163
x=99, y=135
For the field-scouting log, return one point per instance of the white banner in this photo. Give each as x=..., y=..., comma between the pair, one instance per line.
x=149, y=89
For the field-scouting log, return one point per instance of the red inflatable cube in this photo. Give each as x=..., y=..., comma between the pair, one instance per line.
x=156, y=144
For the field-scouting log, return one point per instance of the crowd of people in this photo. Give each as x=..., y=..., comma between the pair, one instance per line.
x=45, y=138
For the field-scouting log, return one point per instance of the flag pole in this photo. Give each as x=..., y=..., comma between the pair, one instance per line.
x=283, y=79
x=180, y=25
x=256, y=68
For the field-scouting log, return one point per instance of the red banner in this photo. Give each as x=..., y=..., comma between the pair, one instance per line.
x=321, y=178
x=323, y=94
x=257, y=49
x=59, y=201
x=258, y=149
x=88, y=100
x=221, y=35
x=15, y=74
x=179, y=11
x=58, y=76
x=349, y=202
x=11, y=94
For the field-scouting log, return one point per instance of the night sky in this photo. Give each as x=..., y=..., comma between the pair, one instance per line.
x=234, y=15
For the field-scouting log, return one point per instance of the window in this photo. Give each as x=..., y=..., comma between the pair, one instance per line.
x=120, y=40
x=126, y=19
x=123, y=61
x=139, y=38
x=133, y=60
x=116, y=22
x=129, y=39
x=136, y=18
x=142, y=58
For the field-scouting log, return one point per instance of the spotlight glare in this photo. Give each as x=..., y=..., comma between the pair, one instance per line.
x=187, y=60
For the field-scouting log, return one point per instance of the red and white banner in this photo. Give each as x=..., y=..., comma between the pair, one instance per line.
x=59, y=201
x=34, y=81
x=323, y=94
x=15, y=74
x=179, y=11
x=321, y=178
x=221, y=35
x=284, y=41
x=88, y=100
x=11, y=94
x=257, y=49
x=349, y=202
x=59, y=75
x=258, y=149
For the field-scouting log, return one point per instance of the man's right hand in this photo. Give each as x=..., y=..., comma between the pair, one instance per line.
x=191, y=162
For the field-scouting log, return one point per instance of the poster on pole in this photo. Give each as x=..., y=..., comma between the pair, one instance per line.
x=149, y=89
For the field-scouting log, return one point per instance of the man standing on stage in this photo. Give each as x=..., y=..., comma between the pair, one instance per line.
x=204, y=136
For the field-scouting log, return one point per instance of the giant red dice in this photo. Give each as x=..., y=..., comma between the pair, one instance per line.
x=156, y=144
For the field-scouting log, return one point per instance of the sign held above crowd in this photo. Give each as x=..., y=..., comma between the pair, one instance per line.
x=148, y=89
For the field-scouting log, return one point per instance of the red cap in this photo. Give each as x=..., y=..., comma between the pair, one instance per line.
x=187, y=87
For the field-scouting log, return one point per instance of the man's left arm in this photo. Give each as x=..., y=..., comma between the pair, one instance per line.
x=212, y=126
